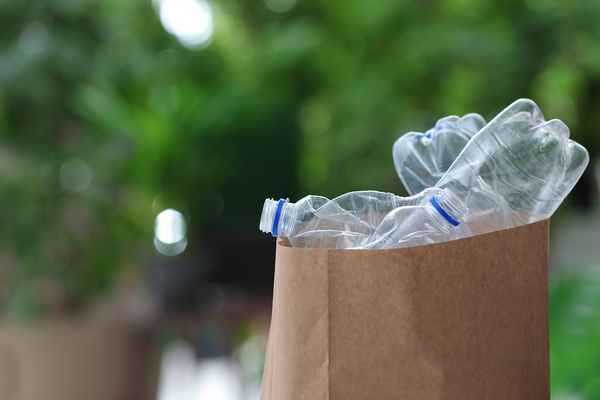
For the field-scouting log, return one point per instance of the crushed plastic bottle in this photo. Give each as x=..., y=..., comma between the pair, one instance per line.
x=367, y=219
x=437, y=221
x=421, y=159
x=516, y=170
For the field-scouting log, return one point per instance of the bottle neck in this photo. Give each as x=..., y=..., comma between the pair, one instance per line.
x=278, y=217
x=446, y=210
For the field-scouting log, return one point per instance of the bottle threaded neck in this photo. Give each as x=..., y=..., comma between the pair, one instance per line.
x=277, y=217
x=453, y=204
x=267, y=216
x=450, y=207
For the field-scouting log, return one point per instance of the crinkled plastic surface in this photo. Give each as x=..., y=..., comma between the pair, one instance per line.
x=422, y=224
x=517, y=169
x=369, y=219
x=421, y=159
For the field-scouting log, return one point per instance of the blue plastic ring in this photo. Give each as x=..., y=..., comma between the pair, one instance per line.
x=443, y=212
x=277, y=216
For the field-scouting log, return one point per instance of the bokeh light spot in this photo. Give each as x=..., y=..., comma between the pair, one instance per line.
x=170, y=226
x=190, y=21
x=34, y=38
x=75, y=175
x=170, y=232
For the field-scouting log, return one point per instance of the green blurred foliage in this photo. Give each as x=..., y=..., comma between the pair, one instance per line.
x=575, y=334
x=309, y=100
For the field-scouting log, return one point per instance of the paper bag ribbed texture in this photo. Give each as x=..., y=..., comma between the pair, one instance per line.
x=466, y=319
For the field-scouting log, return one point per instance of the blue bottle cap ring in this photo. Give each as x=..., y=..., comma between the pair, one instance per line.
x=443, y=212
x=274, y=231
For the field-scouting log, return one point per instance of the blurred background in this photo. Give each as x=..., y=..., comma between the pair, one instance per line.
x=140, y=138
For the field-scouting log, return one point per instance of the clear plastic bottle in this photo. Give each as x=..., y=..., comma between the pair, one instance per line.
x=516, y=170
x=438, y=220
x=366, y=219
x=421, y=159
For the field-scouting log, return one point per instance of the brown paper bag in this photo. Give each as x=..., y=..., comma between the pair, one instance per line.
x=466, y=319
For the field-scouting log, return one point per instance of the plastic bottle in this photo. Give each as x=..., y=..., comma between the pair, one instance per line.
x=516, y=170
x=438, y=220
x=421, y=159
x=366, y=219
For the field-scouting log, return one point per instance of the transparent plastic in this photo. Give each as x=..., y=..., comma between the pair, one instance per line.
x=516, y=170
x=367, y=219
x=423, y=224
x=421, y=159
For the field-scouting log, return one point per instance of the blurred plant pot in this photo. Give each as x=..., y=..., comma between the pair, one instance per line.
x=72, y=359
